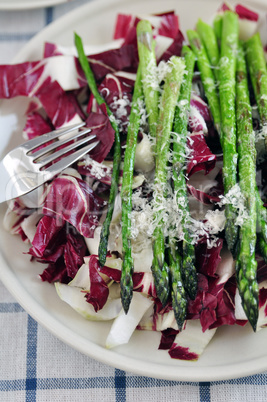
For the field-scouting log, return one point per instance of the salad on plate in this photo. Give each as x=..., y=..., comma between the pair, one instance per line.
x=163, y=226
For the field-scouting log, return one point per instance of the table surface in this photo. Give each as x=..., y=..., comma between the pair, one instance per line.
x=35, y=365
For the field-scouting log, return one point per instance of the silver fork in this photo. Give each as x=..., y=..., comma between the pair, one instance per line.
x=25, y=167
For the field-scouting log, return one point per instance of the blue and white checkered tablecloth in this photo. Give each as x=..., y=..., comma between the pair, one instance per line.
x=36, y=366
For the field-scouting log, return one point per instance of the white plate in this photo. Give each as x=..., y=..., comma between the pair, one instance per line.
x=27, y=4
x=233, y=352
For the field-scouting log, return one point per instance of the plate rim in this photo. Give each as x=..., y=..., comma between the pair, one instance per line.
x=97, y=352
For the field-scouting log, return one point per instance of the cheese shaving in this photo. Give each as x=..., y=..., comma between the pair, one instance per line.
x=236, y=198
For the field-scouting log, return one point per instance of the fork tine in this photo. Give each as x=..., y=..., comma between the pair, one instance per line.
x=42, y=139
x=70, y=159
x=56, y=144
x=63, y=151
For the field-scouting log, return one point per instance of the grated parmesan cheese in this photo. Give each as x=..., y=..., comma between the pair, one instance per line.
x=237, y=199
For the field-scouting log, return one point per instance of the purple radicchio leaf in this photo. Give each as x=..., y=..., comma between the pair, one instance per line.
x=72, y=200
x=96, y=170
x=15, y=216
x=99, y=290
x=36, y=125
x=49, y=239
x=207, y=259
x=246, y=13
x=101, y=127
x=26, y=79
x=167, y=25
x=182, y=353
x=167, y=338
x=214, y=303
x=202, y=196
x=61, y=246
x=174, y=49
x=201, y=157
x=56, y=272
x=117, y=93
x=61, y=107
x=123, y=58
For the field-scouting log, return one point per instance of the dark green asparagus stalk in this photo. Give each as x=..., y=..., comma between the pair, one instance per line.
x=207, y=76
x=217, y=26
x=102, y=251
x=261, y=216
x=126, y=195
x=229, y=43
x=178, y=296
x=261, y=225
x=168, y=103
x=246, y=264
x=263, y=247
x=209, y=40
x=147, y=60
x=189, y=274
x=258, y=73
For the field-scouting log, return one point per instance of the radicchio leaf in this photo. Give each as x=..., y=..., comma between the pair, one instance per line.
x=61, y=107
x=96, y=170
x=74, y=252
x=174, y=49
x=36, y=125
x=166, y=24
x=72, y=200
x=99, y=291
x=15, y=216
x=123, y=59
x=167, y=338
x=25, y=79
x=101, y=127
x=207, y=259
x=49, y=239
x=201, y=158
x=117, y=93
x=182, y=353
x=20, y=79
x=214, y=303
x=56, y=272
x=203, y=197
x=61, y=246
x=246, y=13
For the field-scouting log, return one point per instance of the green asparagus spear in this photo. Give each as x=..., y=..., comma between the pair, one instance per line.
x=207, y=76
x=229, y=43
x=179, y=301
x=102, y=251
x=189, y=274
x=180, y=122
x=261, y=216
x=147, y=60
x=209, y=40
x=217, y=26
x=168, y=103
x=258, y=73
x=246, y=264
x=263, y=247
x=261, y=225
x=126, y=195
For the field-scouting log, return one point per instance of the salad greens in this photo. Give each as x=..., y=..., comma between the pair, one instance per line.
x=163, y=226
